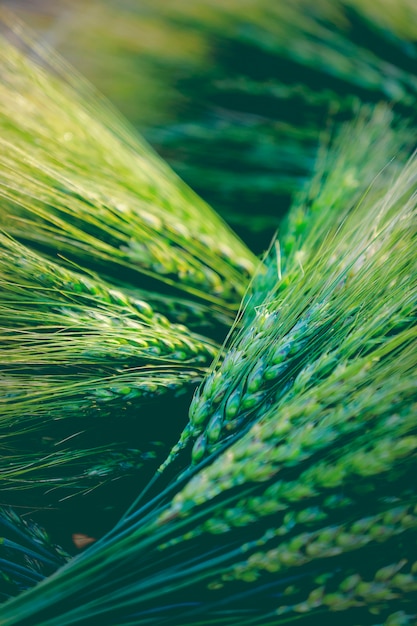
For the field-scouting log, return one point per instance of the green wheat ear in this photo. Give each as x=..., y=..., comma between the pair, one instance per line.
x=298, y=311
x=77, y=180
x=95, y=321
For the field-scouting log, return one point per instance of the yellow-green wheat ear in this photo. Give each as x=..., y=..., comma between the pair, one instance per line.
x=84, y=366
x=75, y=179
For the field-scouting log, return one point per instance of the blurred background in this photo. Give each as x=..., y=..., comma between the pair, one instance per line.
x=237, y=94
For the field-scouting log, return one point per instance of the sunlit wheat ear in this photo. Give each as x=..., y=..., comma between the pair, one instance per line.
x=76, y=179
x=61, y=316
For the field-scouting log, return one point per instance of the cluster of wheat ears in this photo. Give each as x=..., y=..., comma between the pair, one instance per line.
x=250, y=423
